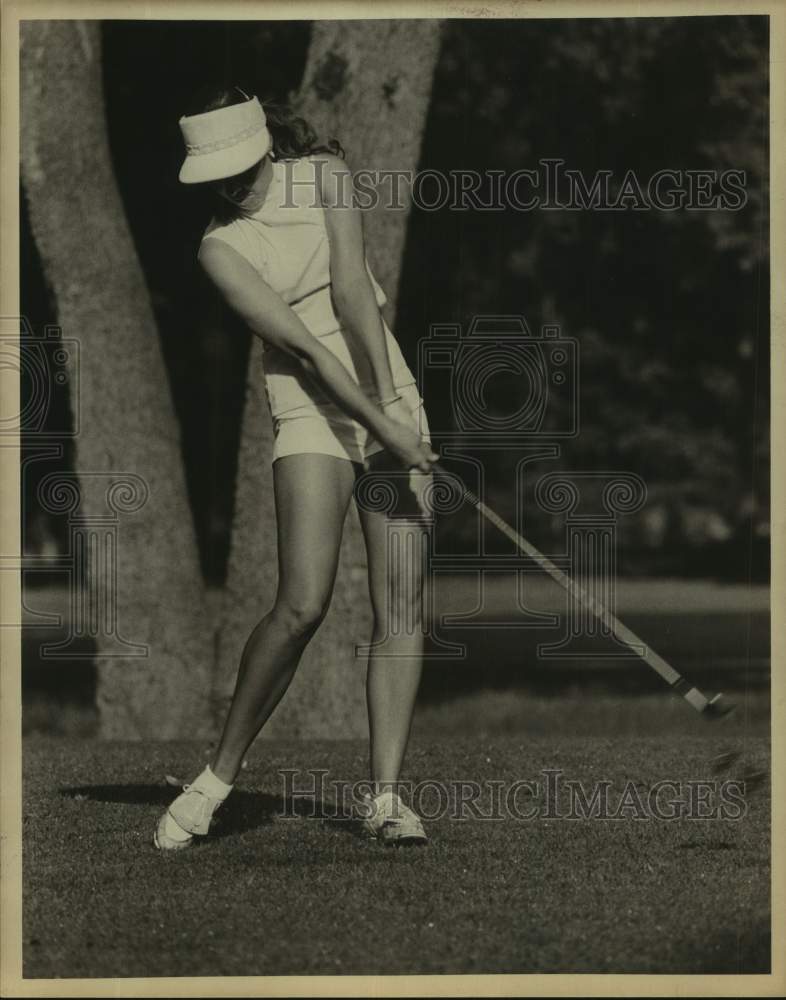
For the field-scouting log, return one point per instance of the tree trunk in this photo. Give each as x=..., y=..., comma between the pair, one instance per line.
x=368, y=84
x=127, y=422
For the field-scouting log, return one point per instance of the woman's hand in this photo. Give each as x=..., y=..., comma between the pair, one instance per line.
x=406, y=444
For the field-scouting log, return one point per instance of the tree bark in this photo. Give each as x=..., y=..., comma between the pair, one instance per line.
x=368, y=84
x=127, y=422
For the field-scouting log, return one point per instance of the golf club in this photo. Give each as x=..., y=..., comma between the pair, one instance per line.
x=710, y=708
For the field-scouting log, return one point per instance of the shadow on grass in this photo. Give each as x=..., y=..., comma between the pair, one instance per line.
x=243, y=810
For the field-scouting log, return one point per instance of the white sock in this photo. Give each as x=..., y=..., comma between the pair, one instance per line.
x=214, y=787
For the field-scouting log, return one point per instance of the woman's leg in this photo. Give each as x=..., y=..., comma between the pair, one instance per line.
x=312, y=493
x=395, y=547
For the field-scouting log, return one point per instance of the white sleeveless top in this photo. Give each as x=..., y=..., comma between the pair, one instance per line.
x=286, y=242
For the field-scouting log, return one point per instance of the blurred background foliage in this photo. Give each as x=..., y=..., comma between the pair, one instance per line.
x=670, y=309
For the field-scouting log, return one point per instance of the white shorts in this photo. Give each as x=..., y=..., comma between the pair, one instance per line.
x=326, y=430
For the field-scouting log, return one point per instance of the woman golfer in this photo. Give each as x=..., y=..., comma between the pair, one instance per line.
x=285, y=249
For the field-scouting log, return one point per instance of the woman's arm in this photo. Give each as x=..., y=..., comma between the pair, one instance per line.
x=353, y=293
x=270, y=318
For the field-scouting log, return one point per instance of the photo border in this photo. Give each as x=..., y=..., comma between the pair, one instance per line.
x=11, y=982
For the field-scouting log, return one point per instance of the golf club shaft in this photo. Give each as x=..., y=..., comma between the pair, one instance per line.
x=692, y=695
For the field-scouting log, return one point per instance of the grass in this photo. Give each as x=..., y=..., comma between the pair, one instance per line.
x=270, y=895
x=585, y=710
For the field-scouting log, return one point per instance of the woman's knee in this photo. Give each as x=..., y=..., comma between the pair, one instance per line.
x=301, y=617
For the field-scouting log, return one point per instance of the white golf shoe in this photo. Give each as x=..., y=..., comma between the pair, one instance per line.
x=188, y=816
x=385, y=817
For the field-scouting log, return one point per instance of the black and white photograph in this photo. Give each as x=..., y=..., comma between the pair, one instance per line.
x=387, y=434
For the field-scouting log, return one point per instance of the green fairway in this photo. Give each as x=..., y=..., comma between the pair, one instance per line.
x=273, y=895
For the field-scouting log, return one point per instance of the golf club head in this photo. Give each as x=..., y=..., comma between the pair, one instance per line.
x=717, y=708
